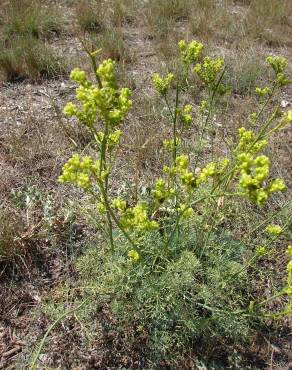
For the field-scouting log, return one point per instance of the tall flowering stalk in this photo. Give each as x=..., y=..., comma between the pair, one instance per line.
x=105, y=101
x=245, y=173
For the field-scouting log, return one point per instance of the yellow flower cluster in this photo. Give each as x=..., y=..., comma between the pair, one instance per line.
x=162, y=192
x=254, y=172
x=190, y=53
x=78, y=171
x=274, y=229
x=286, y=119
x=119, y=204
x=110, y=103
x=106, y=73
x=169, y=144
x=186, y=177
x=209, y=70
x=136, y=218
x=247, y=142
x=133, y=255
x=212, y=169
x=185, y=115
x=186, y=212
x=112, y=139
x=161, y=84
x=263, y=91
x=261, y=251
x=189, y=179
x=279, y=65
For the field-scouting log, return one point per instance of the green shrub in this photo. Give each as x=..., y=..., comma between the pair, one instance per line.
x=169, y=267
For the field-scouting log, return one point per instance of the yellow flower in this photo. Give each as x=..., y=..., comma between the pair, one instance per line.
x=274, y=229
x=133, y=255
x=162, y=84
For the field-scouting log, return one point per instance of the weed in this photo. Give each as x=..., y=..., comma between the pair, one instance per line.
x=93, y=17
x=113, y=46
x=27, y=57
x=246, y=69
x=12, y=226
x=169, y=267
x=269, y=21
x=90, y=17
x=29, y=18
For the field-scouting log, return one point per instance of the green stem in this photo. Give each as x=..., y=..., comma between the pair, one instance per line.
x=93, y=62
x=277, y=295
x=50, y=328
x=268, y=219
x=174, y=116
x=112, y=214
x=210, y=111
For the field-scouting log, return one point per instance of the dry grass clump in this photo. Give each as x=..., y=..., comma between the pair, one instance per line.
x=102, y=25
x=114, y=46
x=95, y=16
x=246, y=69
x=270, y=21
x=24, y=53
x=261, y=20
x=90, y=17
x=123, y=11
x=161, y=16
x=30, y=17
x=27, y=57
x=175, y=9
x=10, y=231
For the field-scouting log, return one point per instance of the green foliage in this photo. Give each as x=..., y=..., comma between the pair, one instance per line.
x=190, y=295
x=169, y=268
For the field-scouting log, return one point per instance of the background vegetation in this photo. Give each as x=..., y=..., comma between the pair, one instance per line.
x=50, y=243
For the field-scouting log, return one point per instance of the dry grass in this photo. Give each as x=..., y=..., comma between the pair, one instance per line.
x=29, y=17
x=27, y=57
x=265, y=21
x=95, y=16
x=114, y=46
x=270, y=21
x=12, y=226
x=90, y=17
x=246, y=69
x=23, y=52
